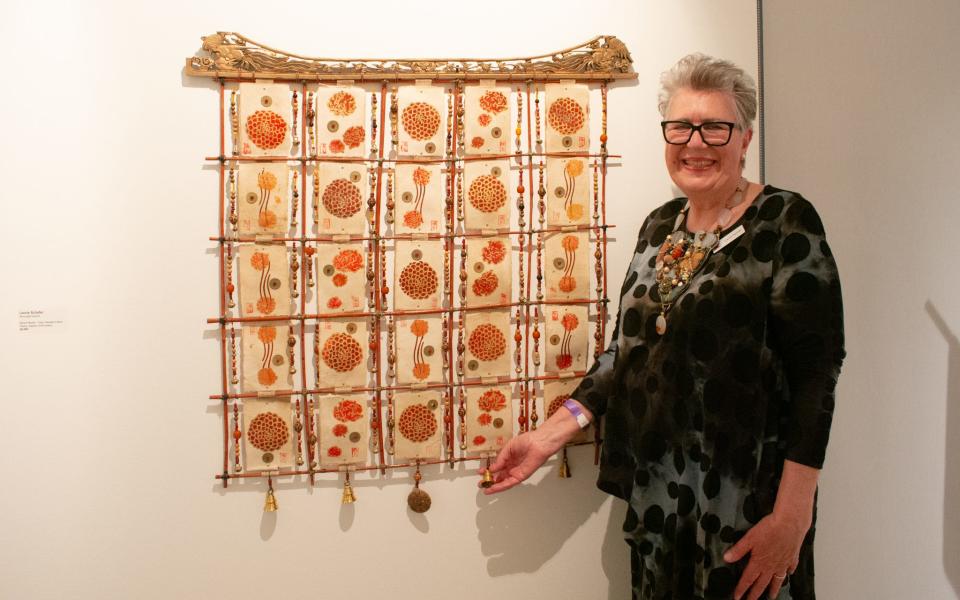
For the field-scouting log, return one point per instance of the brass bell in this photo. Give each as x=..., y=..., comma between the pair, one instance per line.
x=348, y=497
x=271, y=504
x=564, y=466
x=487, y=478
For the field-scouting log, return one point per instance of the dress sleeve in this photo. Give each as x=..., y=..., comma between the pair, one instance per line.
x=806, y=327
x=598, y=384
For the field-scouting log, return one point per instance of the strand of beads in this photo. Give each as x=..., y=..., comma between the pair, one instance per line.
x=233, y=356
x=298, y=428
x=598, y=268
x=295, y=199
x=311, y=434
x=294, y=269
x=234, y=123
x=374, y=145
x=232, y=191
x=394, y=113
x=294, y=138
x=229, y=266
x=237, y=436
x=311, y=114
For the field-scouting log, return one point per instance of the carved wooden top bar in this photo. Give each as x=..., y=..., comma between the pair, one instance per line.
x=233, y=56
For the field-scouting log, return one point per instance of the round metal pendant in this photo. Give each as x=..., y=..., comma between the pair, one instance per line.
x=430, y=148
x=266, y=101
x=419, y=501
x=333, y=126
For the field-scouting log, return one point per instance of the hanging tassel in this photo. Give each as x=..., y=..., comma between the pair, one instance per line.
x=418, y=500
x=564, y=466
x=348, y=497
x=271, y=503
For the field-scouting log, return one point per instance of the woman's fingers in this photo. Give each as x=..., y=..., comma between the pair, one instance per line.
x=775, y=585
x=760, y=586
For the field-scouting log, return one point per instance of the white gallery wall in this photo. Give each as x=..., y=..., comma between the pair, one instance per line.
x=110, y=446
x=862, y=118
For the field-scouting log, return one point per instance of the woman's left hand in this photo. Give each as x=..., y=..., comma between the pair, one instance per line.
x=774, y=548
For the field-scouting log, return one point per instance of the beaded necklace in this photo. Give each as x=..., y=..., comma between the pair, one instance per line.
x=682, y=255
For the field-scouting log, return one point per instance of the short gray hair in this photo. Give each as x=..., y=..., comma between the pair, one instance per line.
x=706, y=73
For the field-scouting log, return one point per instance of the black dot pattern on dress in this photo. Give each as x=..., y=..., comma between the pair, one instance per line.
x=702, y=418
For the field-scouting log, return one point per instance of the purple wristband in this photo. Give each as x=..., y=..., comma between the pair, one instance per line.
x=574, y=409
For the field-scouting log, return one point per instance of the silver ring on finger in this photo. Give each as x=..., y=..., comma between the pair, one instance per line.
x=784, y=576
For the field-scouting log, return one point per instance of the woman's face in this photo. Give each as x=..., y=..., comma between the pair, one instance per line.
x=696, y=168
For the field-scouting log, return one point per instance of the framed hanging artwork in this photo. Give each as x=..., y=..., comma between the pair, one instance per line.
x=405, y=252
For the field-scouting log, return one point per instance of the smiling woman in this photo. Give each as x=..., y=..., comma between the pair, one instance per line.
x=718, y=386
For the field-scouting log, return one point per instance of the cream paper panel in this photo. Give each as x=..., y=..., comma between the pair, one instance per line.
x=567, y=340
x=344, y=425
x=418, y=274
x=343, y=353
x=489, y=343
x=421, y=120
x=419, y=424
x=341, y=121
x=487, y=189
x=489, y=277
x=263, y=271
x=554, y=393
x=263, y=190
x=265, y=363
x=265, y=119
x=486, y=120
x=567, y=117
x=489, y=418
x=343, y=198
x=341, y=277
x=566, y=266
x=267, y=436
x=418, y=195
x=419, y=349
x=568, y=191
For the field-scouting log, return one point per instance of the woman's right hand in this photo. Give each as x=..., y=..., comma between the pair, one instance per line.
x=518, y=460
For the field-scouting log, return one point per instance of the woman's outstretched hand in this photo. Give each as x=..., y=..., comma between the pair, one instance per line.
x=525, y=453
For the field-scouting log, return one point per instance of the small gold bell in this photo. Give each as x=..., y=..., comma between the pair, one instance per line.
x=271, y=504
x=487, y=478
x=348, y=497
x=564, y=466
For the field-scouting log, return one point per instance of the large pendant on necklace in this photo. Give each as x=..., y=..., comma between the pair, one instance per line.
x=679, y=259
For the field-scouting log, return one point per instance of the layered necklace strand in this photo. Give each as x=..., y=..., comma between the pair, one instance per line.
x=682, y=255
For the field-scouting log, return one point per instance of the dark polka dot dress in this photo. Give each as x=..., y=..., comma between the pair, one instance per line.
x=698, y=421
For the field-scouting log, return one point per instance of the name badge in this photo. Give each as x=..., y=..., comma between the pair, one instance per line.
x=725, y=240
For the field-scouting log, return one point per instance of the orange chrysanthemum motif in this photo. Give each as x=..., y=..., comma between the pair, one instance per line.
x=493, y=101
x=341, y=198
x=486, y=284
x=419, y=327
x=421, y=370
x=266, y=376
x=337, y=147
x=334, y=302
x=267, y=334
x=353, y=137
x=266, y=129
x=570, y=242
x=348, y=260
x=267, y=218
x=567, y=284
x=493, y=252
x=564, y=361
x=487, y=194
x=267, y=432
x=421, y=176
x=417, y=423
x=339, y=280
x=412, y=219
x=484, y=119
x=565, y=116
x=266, y=305
x=342, y=104
x=347, y=411
x=339, y=430
x=418, y=280
x=341, y=353
x=487, y=342
x=260, y=260
x=479, y=440
x=477, y=142
x=334, y=451
x=484, y=419
x=569, y=321
x=492, y=400
x=420, y=120
x=574, y=168
x=556, y=403
x=266, y=180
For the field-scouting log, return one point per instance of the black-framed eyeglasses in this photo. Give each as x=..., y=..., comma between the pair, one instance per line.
x=713, y=133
